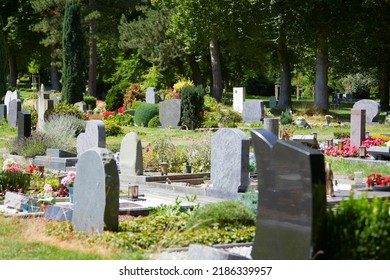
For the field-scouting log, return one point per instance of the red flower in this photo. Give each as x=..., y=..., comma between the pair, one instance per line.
x=31, y=169
x=121, y=109
x=108, y=113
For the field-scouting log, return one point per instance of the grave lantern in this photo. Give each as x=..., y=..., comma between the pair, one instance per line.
x=362, y=151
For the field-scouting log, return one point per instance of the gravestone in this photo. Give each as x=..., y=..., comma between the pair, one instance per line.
x=272, y=125
x=15, y=200
x=96, y=192
x=358, y=126
x=82, y=106
x=202, y=252
x=272, y=102
x=43, y=103
x=94, y=136
x=56, y=159
x=308, y=140
x=229, y=163
x=151, y=95
x=379, y=153
x=372, y=108
x=7, y=98
x=253, y=111
x=170, y=113
x=24, y=126
x=3, y=112
x=238, y=98
x=15, y=106
x=131, y=162
x=292, y=199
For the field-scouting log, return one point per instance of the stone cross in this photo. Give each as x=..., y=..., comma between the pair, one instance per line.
x=229, y=163
x=292, y=199
x=96, y=192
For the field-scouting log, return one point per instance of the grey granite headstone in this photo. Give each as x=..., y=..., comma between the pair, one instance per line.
x=151, y=95
x=131, y=161
x=292, y=199
x=94, y=136
x=24, y=126
x=3, y=112
x=202, y=252
x=170, y=113
x=238, y=98
x=58, y=213
x=372, y=108
x=59, y=153
x=272, y=102
x=358, y=126
x=272, y=125
x=253, y=111
x=82, y=106
x=229, y=163
x=379, y=153
x=96, y=192
x=15, y=200
x=15, y=106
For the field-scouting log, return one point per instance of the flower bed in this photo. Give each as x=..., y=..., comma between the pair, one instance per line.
x=349, y=150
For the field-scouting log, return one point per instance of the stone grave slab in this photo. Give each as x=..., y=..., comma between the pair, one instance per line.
x=292, y=199
x=202, y=252
x=58, y=213
x=57, y=160
x=372, y=108
x=308, y=140
x=229, y=163
x=15, y=200
x=151, y=95
x=238, y=98
x=131, y=161
x=170, y=113
x=96, y=192
x=379, y=153
x=94, y=136
x=253, y=111
x=15, y=106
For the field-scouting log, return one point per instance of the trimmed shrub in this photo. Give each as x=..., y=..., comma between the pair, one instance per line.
x=250, y=200
x=62, y=108
x=115, y=96
x=90, y=101
x=221, y=214
x=192, y=106
x=112, y=129
x=144, y=113
x=133, y=93
x=286, y=117
x=359, y=230
x=154, y=122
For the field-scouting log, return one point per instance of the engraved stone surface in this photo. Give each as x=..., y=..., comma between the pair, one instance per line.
x=94, y=136
x=253, y=111
x=170, y=113
x=372, y=108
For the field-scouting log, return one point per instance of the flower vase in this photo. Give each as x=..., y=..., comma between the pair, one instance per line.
x=70, y=189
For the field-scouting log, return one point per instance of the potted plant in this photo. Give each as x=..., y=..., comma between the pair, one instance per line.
x=300, y=121
x=68, y=182
x=378, y=182
x=46, y=197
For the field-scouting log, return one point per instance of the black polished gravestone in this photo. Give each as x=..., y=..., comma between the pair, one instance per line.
x=292, y=199
x=24, y=126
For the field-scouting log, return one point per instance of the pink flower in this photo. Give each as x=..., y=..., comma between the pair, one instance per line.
x=65, y=181
x=72, y=175
x=47, y=188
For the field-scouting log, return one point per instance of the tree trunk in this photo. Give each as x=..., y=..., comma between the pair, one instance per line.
x=285, y=74
x=321, y=94
x=196, y=74
x=383, y=82
x=216, y=70
x=92, y=53
x=13, y=67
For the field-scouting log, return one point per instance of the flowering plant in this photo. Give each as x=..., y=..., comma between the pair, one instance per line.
x=69, y=179
x=378, y=180
x=47, y=196
x=9, y=165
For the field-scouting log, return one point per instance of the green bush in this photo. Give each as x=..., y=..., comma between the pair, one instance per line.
x=122, y=119
x=359, y=230
x=286, y=117
x=154, y=122
x=227, y=117
x=62, y=108
x=221, y=214
x=112, y=129
x=133, y=93
x=14, y=181
x=90, y=101
x=192, y=106
x=341, y=135
x=144, y=113
x=115, y=96
x=250, y=200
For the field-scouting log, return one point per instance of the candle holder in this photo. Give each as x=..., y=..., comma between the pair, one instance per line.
x=362, y=152
x=133, y=192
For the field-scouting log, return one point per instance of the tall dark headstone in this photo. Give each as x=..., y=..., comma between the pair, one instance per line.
x=292, y=199
x=24, y=126
x=96, y=192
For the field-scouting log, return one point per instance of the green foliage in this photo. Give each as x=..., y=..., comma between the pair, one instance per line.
x=198, y=155
x=115, y=96
x=122, y=119
x=221, y=214
x=90, y=101
x=182, y=83
x=154, y=122
x=359, y=230
x=192, y=106
x=226, y=116
x=144, y=113
x=133, y=93
x=387, y=120
x=62, y=108
x=250, y=200
x=3, y=63
x=341, y=135
x=65, y=125
x=359, y=85
x=14, y=181
x=152, y=78
x=136, y=104
x=73, y=84
x=286, y=117
x=112, y=129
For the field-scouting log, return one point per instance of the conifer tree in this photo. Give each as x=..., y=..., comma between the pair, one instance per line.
x=3, y=64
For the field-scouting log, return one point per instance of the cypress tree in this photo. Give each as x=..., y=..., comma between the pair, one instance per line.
x=3, y=63
x=73, y=83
